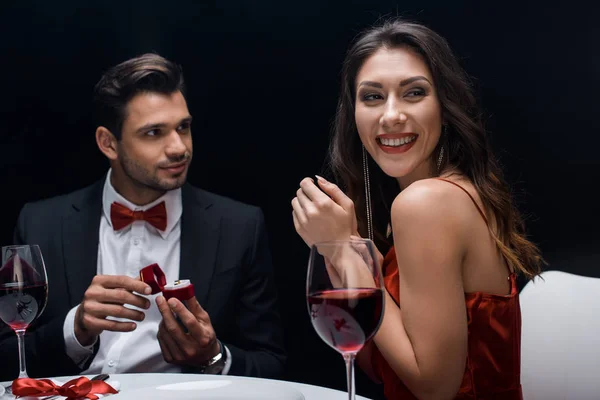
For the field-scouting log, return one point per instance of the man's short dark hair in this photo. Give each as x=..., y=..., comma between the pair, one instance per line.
x=146, y=73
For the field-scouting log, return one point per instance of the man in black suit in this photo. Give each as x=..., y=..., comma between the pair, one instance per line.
x=99, y=315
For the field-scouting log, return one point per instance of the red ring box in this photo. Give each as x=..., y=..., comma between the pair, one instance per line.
x=154, y=276
x=181, y=290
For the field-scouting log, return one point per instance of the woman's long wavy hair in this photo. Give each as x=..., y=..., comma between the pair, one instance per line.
x=467, y=148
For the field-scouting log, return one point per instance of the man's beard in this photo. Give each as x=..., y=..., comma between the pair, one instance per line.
x=144, y=178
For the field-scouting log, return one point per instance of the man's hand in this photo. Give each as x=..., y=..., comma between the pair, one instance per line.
x=194, y=348
x=106, y=297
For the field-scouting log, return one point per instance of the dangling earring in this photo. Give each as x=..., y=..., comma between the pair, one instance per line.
x=367, y=193
x=441, y=155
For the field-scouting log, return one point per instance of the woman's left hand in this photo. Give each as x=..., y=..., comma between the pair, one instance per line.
x=323, y=213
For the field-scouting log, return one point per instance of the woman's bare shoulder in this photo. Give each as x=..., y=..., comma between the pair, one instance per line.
x=434, y=203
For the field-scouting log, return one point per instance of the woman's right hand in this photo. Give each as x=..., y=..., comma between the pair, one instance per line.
x=323, y=213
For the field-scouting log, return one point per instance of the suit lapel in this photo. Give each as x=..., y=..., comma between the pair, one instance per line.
x=199, y=241
x=80, y=230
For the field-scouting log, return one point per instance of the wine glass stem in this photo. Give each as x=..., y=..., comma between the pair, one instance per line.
x=349, y=359
x=21, y=342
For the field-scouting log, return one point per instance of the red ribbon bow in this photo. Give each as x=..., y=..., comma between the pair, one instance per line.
x=76, y=388
x=121, y=216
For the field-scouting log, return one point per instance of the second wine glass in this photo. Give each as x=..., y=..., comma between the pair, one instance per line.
x=345, y=296
x=23, y=292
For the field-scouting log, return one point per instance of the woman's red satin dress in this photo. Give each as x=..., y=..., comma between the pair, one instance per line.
x=493, y=366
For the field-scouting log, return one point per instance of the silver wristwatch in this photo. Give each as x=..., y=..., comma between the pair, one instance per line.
x=216, y=364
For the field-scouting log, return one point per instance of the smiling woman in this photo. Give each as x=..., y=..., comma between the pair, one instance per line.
x=414, y=160
x=393, y=85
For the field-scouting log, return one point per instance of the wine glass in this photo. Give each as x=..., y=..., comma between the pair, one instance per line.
x=23, y=292
x=344, y=292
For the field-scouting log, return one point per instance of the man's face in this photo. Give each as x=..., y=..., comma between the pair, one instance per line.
x=155, y=149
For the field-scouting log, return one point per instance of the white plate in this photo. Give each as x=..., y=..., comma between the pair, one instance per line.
x=2, y=390
x=215, y=389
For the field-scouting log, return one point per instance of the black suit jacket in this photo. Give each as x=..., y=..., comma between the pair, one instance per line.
x=224, y=252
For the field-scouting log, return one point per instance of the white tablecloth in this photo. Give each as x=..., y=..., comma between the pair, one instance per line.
x=130, y=382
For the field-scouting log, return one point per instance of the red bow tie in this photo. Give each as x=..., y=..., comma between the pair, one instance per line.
x=122, y=216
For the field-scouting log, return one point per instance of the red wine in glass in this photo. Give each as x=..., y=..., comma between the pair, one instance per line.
x=21, y=305
x=346, y=318
x=344, y=294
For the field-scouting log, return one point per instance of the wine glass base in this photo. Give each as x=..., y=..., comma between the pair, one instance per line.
x=6, y=390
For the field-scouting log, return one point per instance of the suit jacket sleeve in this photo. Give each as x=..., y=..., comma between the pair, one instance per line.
x=260, y=349
x=44, y=340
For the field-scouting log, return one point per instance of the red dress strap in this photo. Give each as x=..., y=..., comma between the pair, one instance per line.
x=471, y=197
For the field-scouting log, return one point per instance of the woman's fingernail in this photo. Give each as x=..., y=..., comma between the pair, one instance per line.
x=321, y=179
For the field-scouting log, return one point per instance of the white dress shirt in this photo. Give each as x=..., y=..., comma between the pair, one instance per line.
x=125, y=252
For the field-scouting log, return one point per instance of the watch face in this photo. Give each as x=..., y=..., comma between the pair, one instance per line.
x=216, y=364
x=215, y=368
